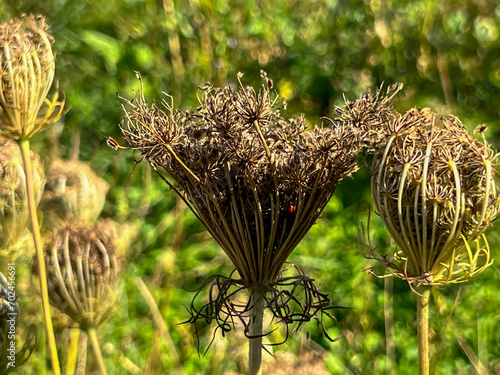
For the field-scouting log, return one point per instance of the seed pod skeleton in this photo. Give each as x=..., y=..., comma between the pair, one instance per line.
x=433, y=186
x=240, y=166
x=83, y=269
x=27, y=65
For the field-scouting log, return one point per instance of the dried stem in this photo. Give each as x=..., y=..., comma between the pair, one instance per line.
x=25, y=150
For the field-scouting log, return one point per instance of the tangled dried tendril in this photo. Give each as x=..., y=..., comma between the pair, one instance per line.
x=291, y=300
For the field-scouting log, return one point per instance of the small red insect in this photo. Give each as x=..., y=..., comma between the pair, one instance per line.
x=291, y=210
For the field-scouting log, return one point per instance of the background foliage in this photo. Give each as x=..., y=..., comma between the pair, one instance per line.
x=446, y=53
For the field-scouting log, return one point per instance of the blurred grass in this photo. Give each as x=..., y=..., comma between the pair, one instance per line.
x=446, y=54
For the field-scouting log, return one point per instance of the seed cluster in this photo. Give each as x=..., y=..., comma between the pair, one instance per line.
x=27, y=66
x=256, y=181
x=82, y=272
x=433, y=185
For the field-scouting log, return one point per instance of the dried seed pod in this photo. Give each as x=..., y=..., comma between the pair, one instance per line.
x=73, y=191
x=238, y=165
x=14, y=214
x=27, y=66
x=9, y=318
x=82, y=272
x=433, y=186
x=256, y=181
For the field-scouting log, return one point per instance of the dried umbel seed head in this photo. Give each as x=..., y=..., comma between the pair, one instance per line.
x=9, y=318
x=14, y=214
x=82, y=272
x=73, y=191
x=27, y=66
x=433, y=186
x=256, y=181
x=369, y=116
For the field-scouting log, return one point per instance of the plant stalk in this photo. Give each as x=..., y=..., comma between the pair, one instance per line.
x=73, y=351
x=255, y=330
x=97, y=350
x=423, y=329
x=24, y=144
x=389, y=326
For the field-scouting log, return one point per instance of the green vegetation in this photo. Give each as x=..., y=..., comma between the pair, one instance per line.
x=445, y=54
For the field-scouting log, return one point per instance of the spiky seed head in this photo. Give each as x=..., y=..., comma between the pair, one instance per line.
x=14, y=214
x=433, y=186
x=27, y=65
x=239, y=165
x=73, y=191
x=83, y=271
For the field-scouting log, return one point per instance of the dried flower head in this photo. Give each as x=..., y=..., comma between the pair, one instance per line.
x=256, y=181
x=82, y=272
x=9, y=318
x=73, y=191
x=13, y=200
x=27, y=66
x=433, y=186
x=369, y=116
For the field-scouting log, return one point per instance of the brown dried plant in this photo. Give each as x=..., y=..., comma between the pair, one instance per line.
x=256, y=181
x=83, y=269
x=433, y=185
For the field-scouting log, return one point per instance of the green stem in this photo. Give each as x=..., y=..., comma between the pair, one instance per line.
x=389, y=326
x=255, y=344
x=97, y=350
x=37, y=239
x=423, y=329
x=73, y=351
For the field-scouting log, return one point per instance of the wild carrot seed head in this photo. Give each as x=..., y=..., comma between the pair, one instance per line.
x=27, y=66
x=238, y=164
